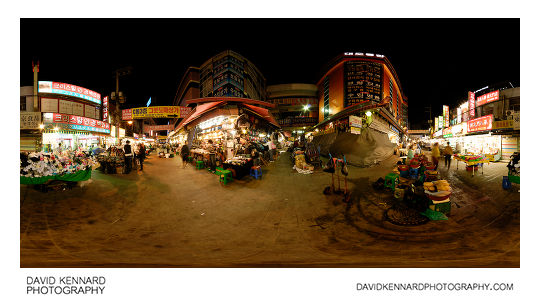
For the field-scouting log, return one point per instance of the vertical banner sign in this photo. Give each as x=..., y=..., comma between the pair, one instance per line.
x=106, y=108
x=446, y=113
x=458, y=115
x=471, y=105
x=436, y=124
x=441, y=122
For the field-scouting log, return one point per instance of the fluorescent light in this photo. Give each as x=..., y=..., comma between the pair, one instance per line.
x=368, y=113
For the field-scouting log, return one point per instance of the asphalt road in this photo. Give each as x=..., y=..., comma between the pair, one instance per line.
x=167, y=216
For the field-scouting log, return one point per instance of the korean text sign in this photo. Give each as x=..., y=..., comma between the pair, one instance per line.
x=487, y=98
x=483, y=123
x=70, y=90
x=81, y=123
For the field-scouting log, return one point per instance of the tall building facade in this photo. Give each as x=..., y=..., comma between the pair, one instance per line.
x=231, y=75
x=355, y=82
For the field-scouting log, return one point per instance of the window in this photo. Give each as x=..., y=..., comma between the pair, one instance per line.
x=23, y=103
x=326, y=97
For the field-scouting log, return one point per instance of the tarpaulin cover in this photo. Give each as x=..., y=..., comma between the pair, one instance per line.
x=82, y=175
x=264, y=113
x=369, y=147
x=199, y=110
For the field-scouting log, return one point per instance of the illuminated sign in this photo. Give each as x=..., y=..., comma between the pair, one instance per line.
x=164, y=127
x=483, y=123
x=105, y=108
x=149, y=101
x=503, y=124
x=436, y=124
x=446, y=114
x=441, y=122
x=77, y=122
x=458, y=115
x=69, y=90
x=487, y=98
x=155, y=112
x=471, y=104
x=447, y=132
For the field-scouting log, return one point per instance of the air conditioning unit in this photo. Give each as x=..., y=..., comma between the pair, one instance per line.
x=508, y=114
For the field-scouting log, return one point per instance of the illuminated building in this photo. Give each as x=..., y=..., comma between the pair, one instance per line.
x=63, y=114
x=297, y=105
x=353, y=83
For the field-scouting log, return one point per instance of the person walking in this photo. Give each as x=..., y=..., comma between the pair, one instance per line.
x=141, y=155
x=447, y=152
x=128, y=157
x=435, y=154
x=184, y=151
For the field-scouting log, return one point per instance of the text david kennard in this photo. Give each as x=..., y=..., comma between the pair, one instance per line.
x=65, y=285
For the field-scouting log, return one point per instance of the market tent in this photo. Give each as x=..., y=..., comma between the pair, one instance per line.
x=370, y=147
x=264, y=113
x=200, y=109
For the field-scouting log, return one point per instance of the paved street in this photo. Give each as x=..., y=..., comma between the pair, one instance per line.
x=168, y=216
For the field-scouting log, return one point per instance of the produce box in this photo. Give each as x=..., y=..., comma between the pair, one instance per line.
x=443, y=207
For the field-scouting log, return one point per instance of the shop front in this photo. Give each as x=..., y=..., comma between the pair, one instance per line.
x=231, y=137
x=73, y=132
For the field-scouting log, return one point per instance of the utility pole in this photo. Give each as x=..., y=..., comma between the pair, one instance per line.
x=118, y=97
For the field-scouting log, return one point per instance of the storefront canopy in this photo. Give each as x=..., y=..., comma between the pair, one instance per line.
x=199, y=110
x=264, y=113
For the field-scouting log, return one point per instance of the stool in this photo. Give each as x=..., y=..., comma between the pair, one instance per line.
x=255, y=172
x=200, y=165
x=225, y=177
x=413, y=173
x=390, y=180
x=506, y=184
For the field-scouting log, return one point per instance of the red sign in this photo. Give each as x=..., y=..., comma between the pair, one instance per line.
x=126, y=114
x=83, y=123
x=106, y=108
x=487, y=98
x=483, y=123
x=446, y=113
x=471, y=104
x=184, y=112
x=164, y=127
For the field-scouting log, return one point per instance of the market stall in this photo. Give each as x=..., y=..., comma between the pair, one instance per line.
x=471, y=161
x=239, y=165
x=39, y=168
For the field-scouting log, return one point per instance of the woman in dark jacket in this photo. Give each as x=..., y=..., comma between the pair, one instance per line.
x=185, y=154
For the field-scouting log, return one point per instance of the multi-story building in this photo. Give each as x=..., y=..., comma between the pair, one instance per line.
x=227, y=74
x=297, y=106
x=486, y=123
x=354, y=83
x=57, y=114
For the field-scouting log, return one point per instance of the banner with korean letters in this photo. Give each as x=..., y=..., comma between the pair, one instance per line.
x=30, y=120
x=77, y=122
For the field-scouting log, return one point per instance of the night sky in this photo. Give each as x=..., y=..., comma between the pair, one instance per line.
x=436, y=60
